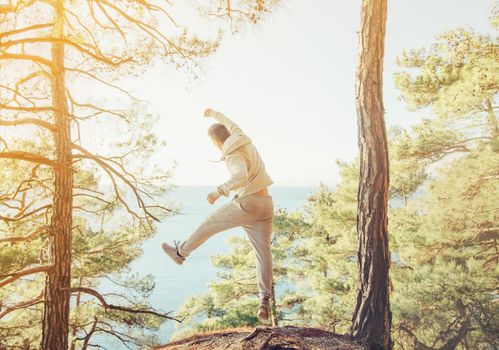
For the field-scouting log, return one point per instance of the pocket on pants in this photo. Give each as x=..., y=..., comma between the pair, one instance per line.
x=247, y=205
x=255, y=206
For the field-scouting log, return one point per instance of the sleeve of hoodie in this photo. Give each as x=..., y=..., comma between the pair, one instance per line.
x=239, y=175
x=229, y=124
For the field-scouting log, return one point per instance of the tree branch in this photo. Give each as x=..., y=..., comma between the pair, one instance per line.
x=21, y=273
x=81, y=49
x=32, y=121
x=103, y=82
x=34, y=58
x=28, y=237
x=22, y=305
x=20, y=217
x=107, y=306
x=25, y=29
x=153, y=32
x=27, y=109
x=6, y=9
x=417, y=344
x=110, y=170
x=29, y=157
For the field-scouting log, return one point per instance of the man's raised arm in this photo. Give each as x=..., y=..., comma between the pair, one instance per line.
x=221, y=118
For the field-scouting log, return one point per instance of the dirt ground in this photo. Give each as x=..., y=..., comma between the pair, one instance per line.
x=265, y=338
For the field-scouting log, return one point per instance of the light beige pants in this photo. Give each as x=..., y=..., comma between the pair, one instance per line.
x=255, y=213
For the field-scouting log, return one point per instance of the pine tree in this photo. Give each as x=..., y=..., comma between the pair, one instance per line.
x=46, y=55
x=457, y=78
x=446, y=237
x=371, y=321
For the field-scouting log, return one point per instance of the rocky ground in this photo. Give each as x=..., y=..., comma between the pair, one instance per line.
x=265, y=338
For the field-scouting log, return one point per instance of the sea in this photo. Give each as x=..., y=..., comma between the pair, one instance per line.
x=175, y=283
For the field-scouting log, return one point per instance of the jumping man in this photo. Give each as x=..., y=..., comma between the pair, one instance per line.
x=252, y=207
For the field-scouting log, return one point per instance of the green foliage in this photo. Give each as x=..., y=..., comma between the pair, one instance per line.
x=406, y=173
x=105, y=241
x=456, y=75
x=458, y=79
x=217, y=317
x=447, y=270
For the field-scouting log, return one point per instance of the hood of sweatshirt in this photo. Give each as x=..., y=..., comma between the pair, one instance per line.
x=233, y=142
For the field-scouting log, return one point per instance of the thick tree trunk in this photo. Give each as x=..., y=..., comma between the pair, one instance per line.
x=371, y=322
x=58, y=281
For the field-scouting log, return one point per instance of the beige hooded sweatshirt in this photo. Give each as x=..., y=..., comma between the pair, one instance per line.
x=243, y=161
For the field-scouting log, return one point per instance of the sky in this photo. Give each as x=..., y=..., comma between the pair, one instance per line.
x=289, y=84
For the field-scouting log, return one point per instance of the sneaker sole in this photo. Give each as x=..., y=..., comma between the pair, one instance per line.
x=178, y=261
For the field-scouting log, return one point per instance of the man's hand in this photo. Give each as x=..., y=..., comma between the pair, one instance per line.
x=208, y=112
x=213, y=196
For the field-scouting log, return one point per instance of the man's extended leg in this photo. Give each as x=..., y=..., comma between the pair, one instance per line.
x=260, y=233
x=227, y=216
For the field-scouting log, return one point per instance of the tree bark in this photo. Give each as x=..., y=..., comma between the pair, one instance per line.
x=371, y=321
x=58, y=281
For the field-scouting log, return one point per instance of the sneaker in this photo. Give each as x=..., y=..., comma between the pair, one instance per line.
x=173, y=253
x=264, y=312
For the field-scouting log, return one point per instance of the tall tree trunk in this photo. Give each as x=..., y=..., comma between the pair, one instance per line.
x=371, y=321
x=58, y=280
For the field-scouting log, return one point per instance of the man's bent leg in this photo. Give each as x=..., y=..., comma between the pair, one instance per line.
x=259, y=233
x=226, y=217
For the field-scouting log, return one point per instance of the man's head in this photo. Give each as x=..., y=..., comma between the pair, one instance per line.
x=218, y=134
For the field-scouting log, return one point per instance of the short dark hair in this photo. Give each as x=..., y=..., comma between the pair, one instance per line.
x=218, y=132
